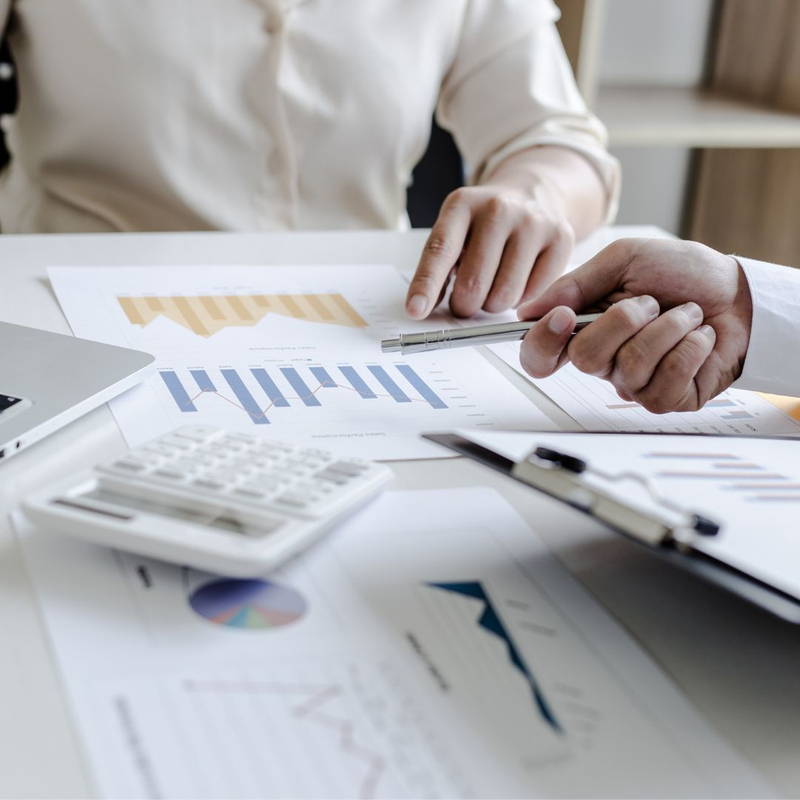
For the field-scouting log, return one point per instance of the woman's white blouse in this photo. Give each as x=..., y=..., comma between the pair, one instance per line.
x=271, y=114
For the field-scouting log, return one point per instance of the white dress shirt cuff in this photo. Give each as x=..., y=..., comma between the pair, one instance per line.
x=772, y=363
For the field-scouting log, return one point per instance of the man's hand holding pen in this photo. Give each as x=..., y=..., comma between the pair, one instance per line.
x=674, y=333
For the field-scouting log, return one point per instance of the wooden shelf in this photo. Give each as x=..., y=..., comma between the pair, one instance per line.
x=684, y=117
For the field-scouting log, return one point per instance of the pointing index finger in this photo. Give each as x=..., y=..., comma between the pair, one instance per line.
x=441, y=251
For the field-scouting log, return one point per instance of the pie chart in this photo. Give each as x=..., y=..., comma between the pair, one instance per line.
x=248, y=604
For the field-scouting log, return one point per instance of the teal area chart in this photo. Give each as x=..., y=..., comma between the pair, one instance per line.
x=248, y=604
x=492, y=623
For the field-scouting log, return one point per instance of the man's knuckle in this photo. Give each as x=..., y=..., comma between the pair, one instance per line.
x=585, y=360
x=680, y=363
x=628, y=314
x=656, y=402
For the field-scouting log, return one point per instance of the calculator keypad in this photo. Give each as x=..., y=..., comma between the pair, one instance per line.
x=210, y=462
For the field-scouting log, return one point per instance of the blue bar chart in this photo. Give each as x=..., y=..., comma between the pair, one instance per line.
x=427, y=393
x=304, y=392
x=270, y=387
x=179, y=394
x=395, y=392
x=325, y=380
x=243, y=395
x=259, y=391
x=204, y=383
x=357, y=382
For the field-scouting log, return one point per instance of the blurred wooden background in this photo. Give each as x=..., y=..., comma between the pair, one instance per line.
x=746, y=201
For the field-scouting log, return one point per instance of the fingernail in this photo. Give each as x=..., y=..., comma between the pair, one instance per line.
x=416, y=305
x=649, y=305
x=560, y=322
x=693, y=311
x=707, y=330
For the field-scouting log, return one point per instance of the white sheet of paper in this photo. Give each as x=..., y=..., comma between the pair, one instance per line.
x=595, y=405
x=292, y=353
x=750, y=486
x=431, y=647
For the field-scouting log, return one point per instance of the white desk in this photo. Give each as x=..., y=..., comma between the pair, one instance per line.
x=738, y=665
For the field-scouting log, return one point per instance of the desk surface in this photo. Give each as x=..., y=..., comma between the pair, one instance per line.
x=738, y=665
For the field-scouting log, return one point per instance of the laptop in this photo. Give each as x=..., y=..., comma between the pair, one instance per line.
x=47, y=380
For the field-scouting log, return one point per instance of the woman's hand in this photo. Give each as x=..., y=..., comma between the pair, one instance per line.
x=675, y=332
x=510, y=237
x=505, y=246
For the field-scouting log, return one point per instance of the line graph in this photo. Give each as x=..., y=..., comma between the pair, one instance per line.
x=490, y=621
x=311, y=703
x=301, y=392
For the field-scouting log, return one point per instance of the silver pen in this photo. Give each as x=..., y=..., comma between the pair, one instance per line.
x=468, y=337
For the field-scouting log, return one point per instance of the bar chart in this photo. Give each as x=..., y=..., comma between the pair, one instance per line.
x=206, y=315
x=718, y=470
x=291, y=352
x=259, y=391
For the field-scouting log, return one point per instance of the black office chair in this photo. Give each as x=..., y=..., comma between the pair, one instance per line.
x=439, y=171
x=8, y=93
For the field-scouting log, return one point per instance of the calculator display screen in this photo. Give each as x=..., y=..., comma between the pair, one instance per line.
x=210, y=516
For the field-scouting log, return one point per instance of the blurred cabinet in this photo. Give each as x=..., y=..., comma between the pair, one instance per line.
x=739, y=116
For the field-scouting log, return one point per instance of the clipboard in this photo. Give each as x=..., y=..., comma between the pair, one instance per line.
x=661, y=527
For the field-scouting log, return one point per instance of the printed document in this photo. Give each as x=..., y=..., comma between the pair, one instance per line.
x=749, y=486
x=432, y=647
x=286, y=352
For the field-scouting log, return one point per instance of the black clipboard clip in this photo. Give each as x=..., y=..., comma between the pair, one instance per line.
x=660, y=525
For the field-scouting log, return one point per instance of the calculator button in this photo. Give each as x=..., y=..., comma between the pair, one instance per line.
x=293, y=501
x=140, y=454
x=168, y=474
x=264, y=482
x=242, y=438
x=225, y=478
x=176, y=443
x=231, y=445
x=250, y=492
x=241, y=461
x=315, y=488
x=183, y=465
x=315, y=452
x=157, y=449
x=197, y=433
x=129, y=465
x=206, y=483
x=275, y=447
x=334, y=477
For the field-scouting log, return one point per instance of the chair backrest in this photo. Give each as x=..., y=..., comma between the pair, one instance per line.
x=439, y=171
x=8, y=93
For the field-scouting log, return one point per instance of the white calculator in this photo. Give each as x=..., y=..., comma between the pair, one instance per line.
x=216, y=500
